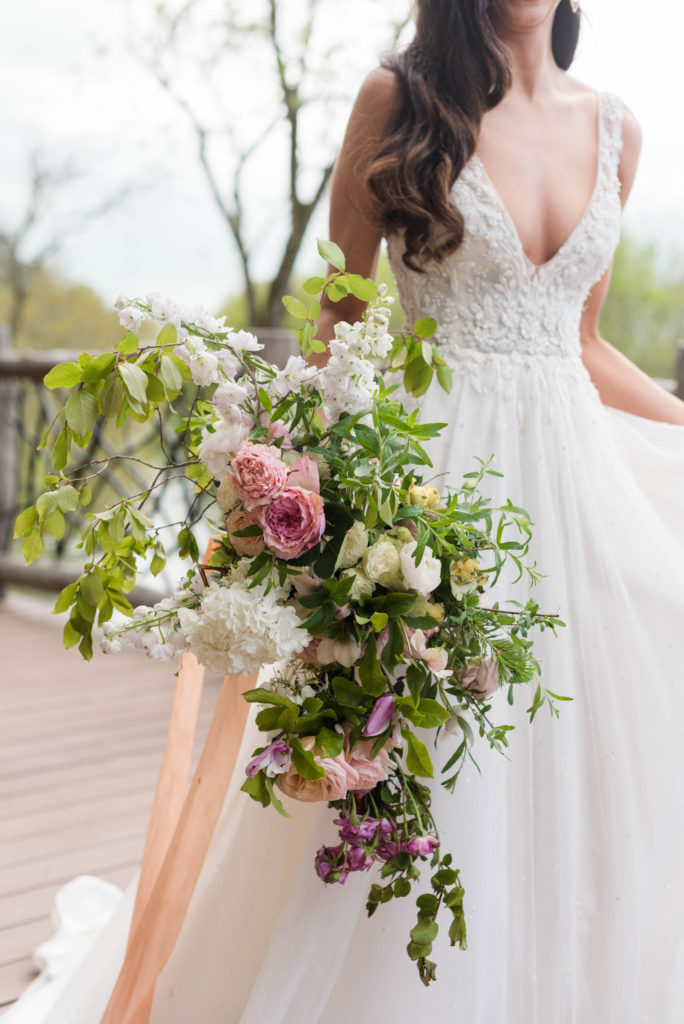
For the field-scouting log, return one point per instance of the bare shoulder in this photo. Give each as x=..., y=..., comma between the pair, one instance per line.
x=379, y=96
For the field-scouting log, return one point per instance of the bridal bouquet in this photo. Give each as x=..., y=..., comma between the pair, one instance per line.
x=335, y=560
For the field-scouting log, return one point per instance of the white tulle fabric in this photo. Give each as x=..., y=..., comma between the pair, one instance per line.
x=571, y=847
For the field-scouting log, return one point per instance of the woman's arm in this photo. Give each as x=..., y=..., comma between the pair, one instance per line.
x=620, y=383
x=352, y=225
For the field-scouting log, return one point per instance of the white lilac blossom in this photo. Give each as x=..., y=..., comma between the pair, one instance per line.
x=238, y=628
x=163, y=310
x=217, y=447
x=293, y=376
x=202, y=363
x=227, y=395
x=243, y=341
x=130, y=318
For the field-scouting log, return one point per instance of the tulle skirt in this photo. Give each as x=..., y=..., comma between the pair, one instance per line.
x=570, y=847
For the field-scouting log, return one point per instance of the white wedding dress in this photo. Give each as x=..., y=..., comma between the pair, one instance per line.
x=571, y=848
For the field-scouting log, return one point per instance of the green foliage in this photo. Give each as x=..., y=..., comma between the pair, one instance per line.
x=643, y=314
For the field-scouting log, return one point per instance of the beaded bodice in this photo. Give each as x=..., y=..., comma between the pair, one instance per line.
x=488, y=295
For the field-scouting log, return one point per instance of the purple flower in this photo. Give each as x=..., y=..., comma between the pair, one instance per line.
x=420, y=846
x=326, y=864
x=276, y=759
x=365, y=831
x=380, y=716
x=358, y=859
x=387, y=849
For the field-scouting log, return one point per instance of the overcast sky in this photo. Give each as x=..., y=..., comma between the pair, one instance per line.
x=68, y=82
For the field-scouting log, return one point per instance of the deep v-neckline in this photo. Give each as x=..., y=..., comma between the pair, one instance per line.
x=530, y=264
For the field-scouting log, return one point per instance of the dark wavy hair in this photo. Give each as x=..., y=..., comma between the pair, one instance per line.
x=453, y=71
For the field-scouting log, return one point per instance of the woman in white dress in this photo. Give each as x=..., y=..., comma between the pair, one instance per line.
x=501, y=177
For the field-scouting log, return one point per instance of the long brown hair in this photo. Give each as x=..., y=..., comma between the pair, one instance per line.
x=453, y=71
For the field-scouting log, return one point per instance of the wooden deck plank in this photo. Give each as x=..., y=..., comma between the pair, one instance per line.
x=80, y=748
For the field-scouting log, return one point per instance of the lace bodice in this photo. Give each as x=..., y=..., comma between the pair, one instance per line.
x=488, y=295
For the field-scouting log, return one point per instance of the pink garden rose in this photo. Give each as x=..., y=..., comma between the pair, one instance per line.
x=258, y=474
x=239, y=520
x=304, y=473
x=293, y=522
x=340, y=777
x=481, y=679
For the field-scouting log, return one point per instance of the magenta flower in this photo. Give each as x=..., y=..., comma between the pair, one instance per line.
x=380, y=716
x=365, y=831
x=276, y=759
x=420, y=846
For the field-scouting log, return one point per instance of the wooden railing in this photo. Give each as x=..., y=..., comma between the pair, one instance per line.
x=27, y=408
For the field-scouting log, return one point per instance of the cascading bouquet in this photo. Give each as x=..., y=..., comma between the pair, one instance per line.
x=334, y=561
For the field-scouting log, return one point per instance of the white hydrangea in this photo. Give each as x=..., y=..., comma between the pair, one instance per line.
x=226, y=496
x=237, y=628
x=294, y=374
x=217, y=449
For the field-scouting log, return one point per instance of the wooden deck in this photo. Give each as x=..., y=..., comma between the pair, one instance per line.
x=80, y=747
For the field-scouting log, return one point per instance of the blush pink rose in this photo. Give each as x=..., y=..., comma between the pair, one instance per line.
x=239, y=520
x=304, y=473
x=482, y=679
x=370, y=771
x=340, y=776
x=258, y=474
x=293, y=522
x=276, y=429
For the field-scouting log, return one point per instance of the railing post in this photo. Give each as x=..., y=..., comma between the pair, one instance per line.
x=679, y=371
x=8, y=451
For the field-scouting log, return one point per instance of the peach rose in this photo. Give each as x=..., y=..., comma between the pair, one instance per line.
x=481, y=679
x=239, y=520
x=258, y=474
x=340, y=776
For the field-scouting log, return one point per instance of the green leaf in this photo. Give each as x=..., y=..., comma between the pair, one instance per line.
x=168, y=335
x=86, y=495
x=67, y=498
x=81, y=412
x=25, y=522
x=425, y=327
x=170, y=375
x=305, y=763
x=371, y=675
x=295, y=307
x=425, y=932
x=445, y=378
x=157, y=564
x=112, y=396
x=65, y=375
x=314, y=285
x=66, y=598
x=135, y=381
x=363, y=288
x=99, y=368
x=255, y=786
x=332, y=254
x=32, y=546
x=55, y=524
x=417, y=759
x=120, y=601
x=348, y=693
x=91, y=588
x=46, y=503
x=129, y=344
x=60, y=453
x=275, y=800
x=71, y=635
x=420, y=381
x=330, y=742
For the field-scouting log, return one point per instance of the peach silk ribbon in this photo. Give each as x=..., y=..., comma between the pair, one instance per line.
x=180, y=828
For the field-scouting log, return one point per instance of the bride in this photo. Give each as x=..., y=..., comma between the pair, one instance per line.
x=498, y=180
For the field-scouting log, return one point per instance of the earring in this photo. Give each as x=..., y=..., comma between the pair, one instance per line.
x=575, y=6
